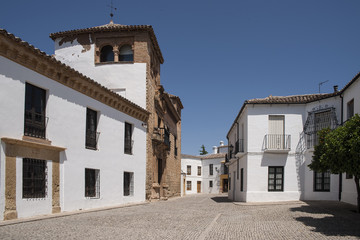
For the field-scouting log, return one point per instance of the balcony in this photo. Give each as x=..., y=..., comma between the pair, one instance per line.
x=91, y=139
x=277, y=143
x=162, y=137
x=35, y=124
x=239, y=146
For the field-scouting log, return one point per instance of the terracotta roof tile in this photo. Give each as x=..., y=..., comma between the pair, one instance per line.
x=113, y=27
x=295, y=99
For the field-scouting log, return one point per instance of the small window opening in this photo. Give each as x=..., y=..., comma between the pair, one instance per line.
x=126, y=54
x=107, y=54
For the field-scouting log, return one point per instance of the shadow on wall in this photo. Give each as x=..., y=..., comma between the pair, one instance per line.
x=330, y=218
x=300, y=164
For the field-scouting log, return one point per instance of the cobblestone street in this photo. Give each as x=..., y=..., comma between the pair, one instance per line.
x=197, y=217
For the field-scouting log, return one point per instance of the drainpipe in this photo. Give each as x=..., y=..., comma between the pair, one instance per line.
x=342, y=121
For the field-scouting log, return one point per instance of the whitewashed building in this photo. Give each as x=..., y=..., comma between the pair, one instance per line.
x=271, y=144
x=205, y=173
x=67, y=142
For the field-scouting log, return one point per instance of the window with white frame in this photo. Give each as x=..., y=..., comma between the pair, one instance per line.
x=276, y=179
x=322, y=181
x=128, y=183
x=128, y=142
x=92, y=183
x=199, y=171
x=188, y=170
x=188, y=185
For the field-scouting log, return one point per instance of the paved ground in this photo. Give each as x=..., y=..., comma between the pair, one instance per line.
x=198, y=217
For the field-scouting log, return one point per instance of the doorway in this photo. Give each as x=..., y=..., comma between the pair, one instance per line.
x=198, y=186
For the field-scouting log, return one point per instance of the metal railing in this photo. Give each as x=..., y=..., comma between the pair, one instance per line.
x=35, y=124
x=162, y=135
x=91, y=139
x=277, y=142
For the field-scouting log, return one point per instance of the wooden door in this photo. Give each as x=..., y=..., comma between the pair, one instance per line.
x=199, y=186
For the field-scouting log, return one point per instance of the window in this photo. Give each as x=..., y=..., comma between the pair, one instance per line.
x=242, y=180
x=34, y=178
x=210, y=183
x=91, y=127
x=126, y=54
x=237, y=170
x=34, y=125
x=175, y=146
x=92, y=183
x=350, y=109
x=316, y=121
x=188, y=185
x=276, y=179
x=188, y=170
x=128, y=184
x=128, y=138
x=211, y=169
x=107, y=54
x=348, y=176
x=322, y=181
x=199, y=171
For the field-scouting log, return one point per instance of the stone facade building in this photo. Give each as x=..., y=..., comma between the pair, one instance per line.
x=127, y=59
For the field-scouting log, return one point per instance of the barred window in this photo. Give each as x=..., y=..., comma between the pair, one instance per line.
x=34, y=178
x=92, y=183
x=199, y=170
x=322, y=181
x=211, y=169
x=188, y=185
x=128, y=138
x=188, y=170
x=276, y=179
x=91, y=127
x=35, y=118
x=128, y=184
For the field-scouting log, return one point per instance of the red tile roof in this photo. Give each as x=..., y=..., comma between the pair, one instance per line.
x=113, y=27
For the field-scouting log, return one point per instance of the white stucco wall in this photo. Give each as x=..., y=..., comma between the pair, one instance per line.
x=349, y=193
x=193, y=177
x=215, y=177
x=66, y=110
x=127, y=79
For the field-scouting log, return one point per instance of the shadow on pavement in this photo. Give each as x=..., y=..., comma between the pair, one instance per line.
x=221, y=199
x=330, y=218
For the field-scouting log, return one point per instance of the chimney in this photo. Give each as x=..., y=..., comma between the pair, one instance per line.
x=221, y=143
x=336, y=88
x=215, y=149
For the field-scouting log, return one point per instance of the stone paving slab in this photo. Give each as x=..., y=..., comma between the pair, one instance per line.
x=202, y=217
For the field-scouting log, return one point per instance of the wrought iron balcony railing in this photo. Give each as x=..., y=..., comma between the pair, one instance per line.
x=91, y=139
x=277, y=142
x=35, y=124
x=239, y=146
x=162, y=135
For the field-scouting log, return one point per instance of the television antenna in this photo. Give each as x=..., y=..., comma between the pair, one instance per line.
x=322, y=84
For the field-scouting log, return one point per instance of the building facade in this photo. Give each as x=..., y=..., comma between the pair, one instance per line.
x=205, y=173
x=67, y=142
x=127, y=59
x=271, y=144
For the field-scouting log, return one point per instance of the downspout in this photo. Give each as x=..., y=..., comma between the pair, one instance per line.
x=342, y=121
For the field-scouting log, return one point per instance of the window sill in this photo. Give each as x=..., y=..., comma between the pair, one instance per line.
x=36, y=140
x=91, y=148
x=110, y=63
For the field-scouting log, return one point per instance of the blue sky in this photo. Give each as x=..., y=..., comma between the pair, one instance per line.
x=218, y=53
